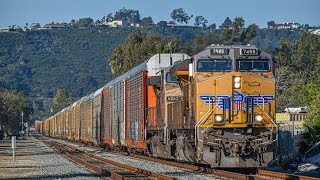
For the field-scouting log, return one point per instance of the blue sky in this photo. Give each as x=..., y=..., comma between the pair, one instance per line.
x=253, y=11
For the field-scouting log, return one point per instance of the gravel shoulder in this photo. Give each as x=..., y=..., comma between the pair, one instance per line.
x=35, y=160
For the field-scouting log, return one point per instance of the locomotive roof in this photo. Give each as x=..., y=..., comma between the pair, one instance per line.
x=160, y=61
x=233, y=51
x=153, y=66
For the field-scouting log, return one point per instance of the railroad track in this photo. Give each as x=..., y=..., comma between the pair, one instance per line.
x=202, y=169
x=264, y=174
x=258, y=175
x=102, y=166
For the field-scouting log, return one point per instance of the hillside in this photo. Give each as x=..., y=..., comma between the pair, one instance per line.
x=39, y=62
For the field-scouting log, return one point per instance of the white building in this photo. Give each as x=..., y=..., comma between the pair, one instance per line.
x=316, y=32
x=288, y=25
x=297, y=110
x=134, y=24
x=118, y=23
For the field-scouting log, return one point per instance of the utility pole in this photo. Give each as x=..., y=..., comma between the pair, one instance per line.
x=22, y=121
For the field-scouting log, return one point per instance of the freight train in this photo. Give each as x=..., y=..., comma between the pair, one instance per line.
x=216, y=108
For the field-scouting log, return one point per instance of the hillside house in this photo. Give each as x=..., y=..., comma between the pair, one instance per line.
x=316, y=32
x=118, y=23
x=56, y=26
x=11, y=28
x=285, y=25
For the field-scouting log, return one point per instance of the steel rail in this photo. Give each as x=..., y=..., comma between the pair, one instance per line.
x=280, y=175
x=105, y=172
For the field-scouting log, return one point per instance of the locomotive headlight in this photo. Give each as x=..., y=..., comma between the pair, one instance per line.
x=218, y=118
x=258, y=118
x=237, y=79
x=237, y=85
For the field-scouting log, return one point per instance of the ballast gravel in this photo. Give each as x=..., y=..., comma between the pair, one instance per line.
x=179, y=173
x=35, y=160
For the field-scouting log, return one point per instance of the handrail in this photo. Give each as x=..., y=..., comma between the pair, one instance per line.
x=204, y=118
x=271, y=121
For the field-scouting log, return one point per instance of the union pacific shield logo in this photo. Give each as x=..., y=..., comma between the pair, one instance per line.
x=239, y=100
x=207, y=99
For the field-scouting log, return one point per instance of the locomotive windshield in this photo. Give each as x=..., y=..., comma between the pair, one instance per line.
x=253, y=65
x=214, y=65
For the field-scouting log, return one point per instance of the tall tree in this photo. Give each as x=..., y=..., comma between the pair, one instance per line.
x=134, y=16
x=60, y=101
x=306, y=53
x=137, y=48
x=200, y=21
x=227, y=30
x=313, y=117
x=226, y=24
x=130, y=15
x=162, y=24
x=247, y=35
x=271, y=24
x=170, y=47
x=12, y=104
x=35, y=26
x=284, y=75
x=237, y=24
x=26, y=27
x=212, y=27
x=86, y=22
x=297, y=72
x=121, y=14
x=227, y=35
x=108, y=18
x=180, y=16
x=147, y=21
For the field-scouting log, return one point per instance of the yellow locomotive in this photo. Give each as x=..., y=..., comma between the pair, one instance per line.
x=229, y=107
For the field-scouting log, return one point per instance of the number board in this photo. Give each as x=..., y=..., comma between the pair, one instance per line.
x=219, y=51
x=173, y=98
x=249, y=51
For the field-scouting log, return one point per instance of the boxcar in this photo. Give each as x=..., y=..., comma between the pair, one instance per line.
x=74, y=130
x=77, y=120
x=106, y=117
x=88, y=118
x=96, y=116
x=117, y=111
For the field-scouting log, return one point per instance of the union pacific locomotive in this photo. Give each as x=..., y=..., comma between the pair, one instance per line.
x=216, y=108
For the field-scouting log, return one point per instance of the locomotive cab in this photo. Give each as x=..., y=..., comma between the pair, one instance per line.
x=231, y=92
x=167, y=115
